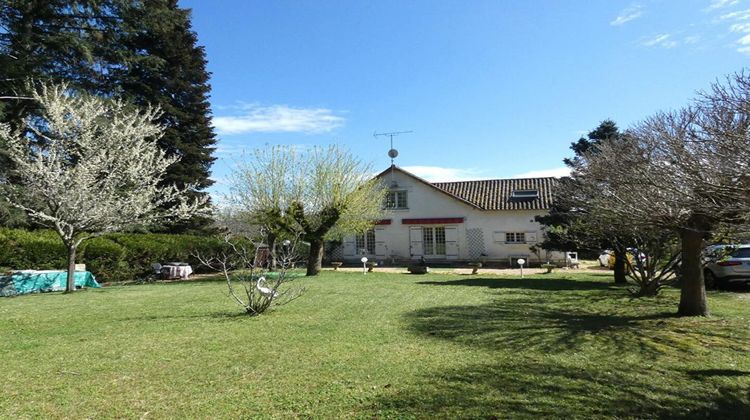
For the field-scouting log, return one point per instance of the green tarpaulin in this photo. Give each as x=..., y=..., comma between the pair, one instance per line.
x=22, y=282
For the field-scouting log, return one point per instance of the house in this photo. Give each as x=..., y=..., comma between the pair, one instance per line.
x=487, y=220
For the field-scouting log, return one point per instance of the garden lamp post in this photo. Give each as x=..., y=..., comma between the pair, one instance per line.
x=364, y=265
x=521, y=262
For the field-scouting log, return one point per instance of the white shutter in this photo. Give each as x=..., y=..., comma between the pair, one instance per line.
x=451, y=242
x=349, y=246
x=415, y=242
x=498, y=236
x=531, y=237
x=380, y=242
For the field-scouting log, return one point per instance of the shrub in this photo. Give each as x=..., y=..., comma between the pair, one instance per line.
x=114, y=257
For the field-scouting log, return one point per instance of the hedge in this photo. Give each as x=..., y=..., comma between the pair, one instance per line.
x=114, y=257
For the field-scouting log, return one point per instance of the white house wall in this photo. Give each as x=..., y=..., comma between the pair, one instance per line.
x=426, y=202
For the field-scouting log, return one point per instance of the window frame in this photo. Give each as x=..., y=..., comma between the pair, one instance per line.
x=367, y=242
x=434, y=241
x=394, y=198
x=515, y=237
x=527, y=193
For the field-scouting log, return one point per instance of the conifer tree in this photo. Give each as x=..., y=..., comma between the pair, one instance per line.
x=168, y=69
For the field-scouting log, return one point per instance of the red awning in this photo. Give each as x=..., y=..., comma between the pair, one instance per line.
x=433, y=221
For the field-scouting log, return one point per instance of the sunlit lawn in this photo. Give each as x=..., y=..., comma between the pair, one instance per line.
x=381, y=345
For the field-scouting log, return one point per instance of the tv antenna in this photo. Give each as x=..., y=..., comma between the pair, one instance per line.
x=392, y=153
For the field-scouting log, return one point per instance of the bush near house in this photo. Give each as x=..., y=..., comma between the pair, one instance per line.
x=114, y=257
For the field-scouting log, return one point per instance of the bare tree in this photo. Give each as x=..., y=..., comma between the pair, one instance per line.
x=90, y=166
x=321, y=193
x=245, y=268
x=684, y=171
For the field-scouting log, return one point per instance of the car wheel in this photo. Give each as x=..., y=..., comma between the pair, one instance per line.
x=709, y=279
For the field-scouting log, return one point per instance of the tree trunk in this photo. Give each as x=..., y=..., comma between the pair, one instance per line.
x=271, y=242
x=620, y=255
x=70, y=286
x=315, y=260
x=693, y=294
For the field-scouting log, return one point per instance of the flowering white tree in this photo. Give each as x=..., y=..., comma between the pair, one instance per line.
x=86, y=166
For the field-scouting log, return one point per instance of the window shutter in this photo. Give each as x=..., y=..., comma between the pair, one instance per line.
x=380, y=242
x=416, y=247
x=498, y=236
x=451, y=242
x=349, y=246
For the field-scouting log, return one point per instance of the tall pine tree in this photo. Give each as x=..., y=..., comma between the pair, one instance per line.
x=167, y=68
x=566, y=225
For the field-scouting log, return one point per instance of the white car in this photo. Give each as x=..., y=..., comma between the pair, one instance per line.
x=724, y=264
x=604, y=258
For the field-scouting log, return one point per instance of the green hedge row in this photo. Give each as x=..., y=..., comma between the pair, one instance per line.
x=114, y=257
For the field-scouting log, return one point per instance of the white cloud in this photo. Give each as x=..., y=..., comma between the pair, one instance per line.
x=692, y=39
x=744, y=44
x=254, y=118
x=740, y=27
x=661, y=40
x=626, y=15
x=720, y=4
x=738, y=15
x=441, y=174
x=542, y=173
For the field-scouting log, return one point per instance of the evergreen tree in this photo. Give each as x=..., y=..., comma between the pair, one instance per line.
x=167, y=68
x=566, y=224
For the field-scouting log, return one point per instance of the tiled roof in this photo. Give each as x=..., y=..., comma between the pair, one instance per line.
x=496, y=194
x=493, y=194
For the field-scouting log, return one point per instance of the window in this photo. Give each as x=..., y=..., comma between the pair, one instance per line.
x=525, y=194
x=515, y=237
x=433, y=240
x=396, y=200
x=366, y=242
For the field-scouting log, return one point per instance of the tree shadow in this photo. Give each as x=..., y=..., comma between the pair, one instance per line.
x=218, y=316
x=557, y=283
x=526, y=388
x=554, y=323
x=718, y=372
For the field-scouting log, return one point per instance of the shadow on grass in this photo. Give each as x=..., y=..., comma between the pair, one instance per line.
x=524, y=388
x=560, y=322
x=718, y=372
x=556, y=283
x=219, y=316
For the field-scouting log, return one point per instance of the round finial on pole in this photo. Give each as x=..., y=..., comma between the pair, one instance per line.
x=364, y=265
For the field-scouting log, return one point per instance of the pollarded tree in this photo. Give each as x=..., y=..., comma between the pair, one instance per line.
x=686, y=171
x=322, y=193
x=90, y=166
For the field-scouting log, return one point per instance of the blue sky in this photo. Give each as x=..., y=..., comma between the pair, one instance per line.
x=491, y=89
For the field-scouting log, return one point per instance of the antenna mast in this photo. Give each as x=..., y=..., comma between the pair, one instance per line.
x=392, y=153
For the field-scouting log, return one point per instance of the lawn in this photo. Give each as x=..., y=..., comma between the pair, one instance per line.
x=381, y=345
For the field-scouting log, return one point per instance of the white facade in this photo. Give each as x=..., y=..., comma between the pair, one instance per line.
x=470, y=233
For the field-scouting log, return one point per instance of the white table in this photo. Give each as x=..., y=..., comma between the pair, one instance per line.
x=174, y=271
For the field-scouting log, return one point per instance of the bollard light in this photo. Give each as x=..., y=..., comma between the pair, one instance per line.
x=521, y=262
x=364, y=265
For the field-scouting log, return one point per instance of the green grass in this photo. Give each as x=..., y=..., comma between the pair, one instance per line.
x=381, y=345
